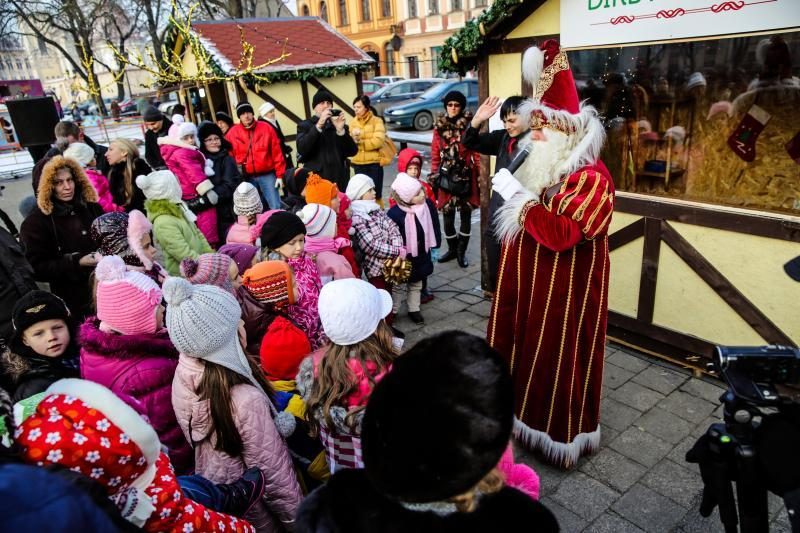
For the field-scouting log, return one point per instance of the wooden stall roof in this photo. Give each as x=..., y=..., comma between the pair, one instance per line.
x=312, y=43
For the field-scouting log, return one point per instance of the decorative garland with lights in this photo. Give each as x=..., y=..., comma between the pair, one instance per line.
x=460, y=49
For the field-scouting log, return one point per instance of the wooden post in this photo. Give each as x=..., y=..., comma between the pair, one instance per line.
x=483, y=180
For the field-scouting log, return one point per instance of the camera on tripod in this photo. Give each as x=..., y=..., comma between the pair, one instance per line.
x=752, y=373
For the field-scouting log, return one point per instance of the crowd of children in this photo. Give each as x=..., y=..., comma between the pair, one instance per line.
x=213, y=392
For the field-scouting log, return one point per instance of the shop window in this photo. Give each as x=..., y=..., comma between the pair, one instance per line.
x=343, y=13
x=713, y=121
x=412, y=9
x=365, y=15
x=323, y=11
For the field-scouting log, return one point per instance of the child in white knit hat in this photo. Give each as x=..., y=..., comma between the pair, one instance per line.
x=322, y=244
x=336, y=381
x=250, y=215
x=222, y=401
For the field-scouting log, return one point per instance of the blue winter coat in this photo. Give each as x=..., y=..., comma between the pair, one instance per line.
x=422, y=264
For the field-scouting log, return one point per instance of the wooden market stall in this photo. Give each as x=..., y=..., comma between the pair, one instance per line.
x=317, y=57
x=703, y=142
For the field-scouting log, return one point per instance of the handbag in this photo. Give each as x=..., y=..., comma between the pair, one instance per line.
x=387, y=152
x=454, y=176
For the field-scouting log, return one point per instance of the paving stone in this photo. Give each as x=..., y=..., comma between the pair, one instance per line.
x=613, y=469
x=471, y=299
x=449, y=305
x=703, y=426
x=614, y=376
x=704, y=389
x=686, y=406
x=567, y=520
x=677, y=483
x=585, y=496
x=549, y=477
x=610, y=350
x=649, y=510
x=641, y=446
x=483, y=309
x=607, y=434
x=609, y=522
x=678, y=453
x=665, y=425
x=636, y=396
x=627, y=361
x=617, y=415
x=660, y=379
x=465, y=284
x=693, y=522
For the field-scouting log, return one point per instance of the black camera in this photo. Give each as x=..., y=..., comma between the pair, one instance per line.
x=336, y=112
x=752, y=372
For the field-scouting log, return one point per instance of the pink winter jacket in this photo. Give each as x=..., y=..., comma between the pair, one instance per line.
x=100, y=184
x=263, y=445
x=240, y=232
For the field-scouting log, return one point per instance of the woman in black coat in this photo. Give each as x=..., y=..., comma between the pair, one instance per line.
x=226, y=173
x=56, y=233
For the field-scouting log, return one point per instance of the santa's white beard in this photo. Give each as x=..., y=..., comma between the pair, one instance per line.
x=543, y=168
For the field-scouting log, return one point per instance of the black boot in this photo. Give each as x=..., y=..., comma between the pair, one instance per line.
x=463, y=244
x=452, y=250
x=242, y=494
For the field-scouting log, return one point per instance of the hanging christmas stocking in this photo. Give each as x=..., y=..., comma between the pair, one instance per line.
x=793, y=147
x=743, y=139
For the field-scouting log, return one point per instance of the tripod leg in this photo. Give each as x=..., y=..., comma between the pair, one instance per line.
x=752, y=495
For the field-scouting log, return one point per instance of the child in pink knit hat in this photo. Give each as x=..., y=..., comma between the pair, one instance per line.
x=211, y=269
x=126, y=348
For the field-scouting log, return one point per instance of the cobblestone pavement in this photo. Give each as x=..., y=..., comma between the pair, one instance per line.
x=651, y=414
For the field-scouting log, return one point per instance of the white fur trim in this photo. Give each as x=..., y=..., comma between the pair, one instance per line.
x=117, y=411
x=557, y=452
x=532, y=65
x=203, y=187
x=506, y=219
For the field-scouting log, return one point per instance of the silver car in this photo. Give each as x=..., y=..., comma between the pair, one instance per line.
x=400, y=92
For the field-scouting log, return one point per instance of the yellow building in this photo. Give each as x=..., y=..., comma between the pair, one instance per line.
x=368, y=23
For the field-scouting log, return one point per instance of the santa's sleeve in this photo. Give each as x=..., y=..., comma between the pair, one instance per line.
x=580, y=209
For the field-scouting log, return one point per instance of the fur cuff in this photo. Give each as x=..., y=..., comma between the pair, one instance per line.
x=203, y=187
x=559, y=453
x=507, y=219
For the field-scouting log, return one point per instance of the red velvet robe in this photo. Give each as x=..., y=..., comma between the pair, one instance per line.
x=549, y=315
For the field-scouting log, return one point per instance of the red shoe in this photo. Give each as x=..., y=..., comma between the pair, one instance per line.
x=426, y=297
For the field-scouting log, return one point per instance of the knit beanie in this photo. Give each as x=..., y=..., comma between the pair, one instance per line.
x=126, y=300
x=319, y=190
x=80, y=152
x=351, y=309
x=246, y=200
x=406, y=187
x=320, y=220
x=224, y=117
x=206, y=129
x=243, y=107
x=109, y=232
x=455, y=96
x=271, y=282
x=160, y=185
x=358, y=186
x=203, y=322
x=208, y=269
x=138, y=227
x=35, y=306
x=281, y=228
x=265, y=108
x=283, y=349
x=321, y=96
x=152, y=114
x=297, y=181
x=242, y=255
x=187, y=129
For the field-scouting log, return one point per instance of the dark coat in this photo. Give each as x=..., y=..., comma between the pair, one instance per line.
x=16, y=280
x=28, y=373
x=116, y=184
x=225, y=179
x=422, y=264
x=324, y=151
x=152, y=153
x=349, y=503
x=491, y=143
x=257, y=317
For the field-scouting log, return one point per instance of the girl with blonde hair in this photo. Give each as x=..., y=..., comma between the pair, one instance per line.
x=125, y=165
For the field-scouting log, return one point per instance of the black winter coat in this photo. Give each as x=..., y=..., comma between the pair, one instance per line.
x=55, y=243
x=116, y=184
x=225, y=179
x=101, y=163
x=324, y=151
x=16, y=280
x=491, y=143
x=152, y=153
x=422, y=264
x=31, y=374
x=349, y=503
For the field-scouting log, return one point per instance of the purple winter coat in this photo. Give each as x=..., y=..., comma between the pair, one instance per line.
x=139, y=369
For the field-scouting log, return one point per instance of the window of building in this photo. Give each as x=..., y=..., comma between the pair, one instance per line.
x=19, y=64
x=436, y=51
x=433, y=7
x=456, y=5
x=305, y=11
x=413, y=67
x=365, y=14
x=713, y=120
x=389, y=53
x=481, y=3
x=386, y=8
x=343, y=13
x=412, y=9
x=43, y=47
x=323, y=11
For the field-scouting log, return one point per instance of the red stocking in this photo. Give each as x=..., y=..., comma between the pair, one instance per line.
x=793, y=147
x=743, y=140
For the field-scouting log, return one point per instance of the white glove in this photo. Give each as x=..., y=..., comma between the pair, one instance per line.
x=505, y=184
x=212, y=197
x=279, y=184
x=209, y=168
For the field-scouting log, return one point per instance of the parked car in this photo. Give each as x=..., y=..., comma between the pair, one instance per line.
x=388, y=79
x=421, y=111
x=127, y=107
x=370, y=86
x=400, y=92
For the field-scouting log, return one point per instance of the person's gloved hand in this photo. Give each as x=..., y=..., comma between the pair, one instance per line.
x=212, y=197
x=199, y=204
x=505, y=184
x=279, y=184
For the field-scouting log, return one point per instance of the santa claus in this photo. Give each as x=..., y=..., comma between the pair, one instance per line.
x=549, y=313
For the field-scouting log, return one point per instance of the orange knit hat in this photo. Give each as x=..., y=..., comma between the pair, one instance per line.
x=270, y=281
x=319, y=190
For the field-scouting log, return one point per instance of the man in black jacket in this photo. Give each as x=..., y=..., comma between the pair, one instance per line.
x=324, y=143
x=67, y=132
x=502, y=144
x=157, y=125
x=16, y=276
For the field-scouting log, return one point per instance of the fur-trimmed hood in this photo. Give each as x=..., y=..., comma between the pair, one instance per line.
x=99, y=342
x=44, y=194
